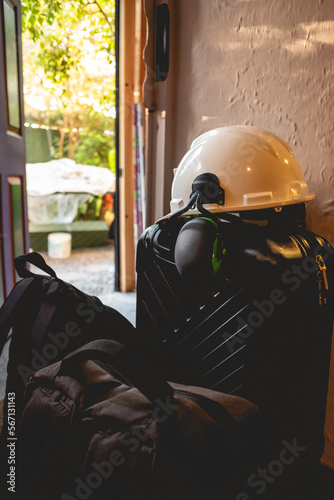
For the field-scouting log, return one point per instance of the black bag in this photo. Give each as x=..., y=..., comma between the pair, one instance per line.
x=261, y=329
x=85, y=434
x=50, y=318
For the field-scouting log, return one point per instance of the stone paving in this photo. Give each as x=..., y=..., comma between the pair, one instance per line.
x=92, y=270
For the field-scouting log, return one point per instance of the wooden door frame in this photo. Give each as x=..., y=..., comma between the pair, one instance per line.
x=132, y=39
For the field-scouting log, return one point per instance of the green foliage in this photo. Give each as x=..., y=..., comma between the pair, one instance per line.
x=61, y=30
x=36, y=14
x=69, y=67
x=112, y=160
x=91, y=210
x=93, y=141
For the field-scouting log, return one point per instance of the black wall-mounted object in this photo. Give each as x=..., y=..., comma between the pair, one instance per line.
x=162, y=43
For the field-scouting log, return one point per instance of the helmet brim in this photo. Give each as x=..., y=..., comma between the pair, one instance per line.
x=216, y=209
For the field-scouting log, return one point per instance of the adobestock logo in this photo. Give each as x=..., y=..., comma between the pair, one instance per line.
x=266, y=476
x=293, y=278
x=131, y=442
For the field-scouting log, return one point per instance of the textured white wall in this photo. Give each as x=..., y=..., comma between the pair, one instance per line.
x=268, y=63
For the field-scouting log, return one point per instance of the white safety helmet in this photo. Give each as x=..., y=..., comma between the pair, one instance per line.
x=255, y=168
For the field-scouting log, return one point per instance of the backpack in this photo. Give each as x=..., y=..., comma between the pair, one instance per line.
x=49, y=318
x=86, y=433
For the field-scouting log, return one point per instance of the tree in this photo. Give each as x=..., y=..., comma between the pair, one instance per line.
x=69, y=67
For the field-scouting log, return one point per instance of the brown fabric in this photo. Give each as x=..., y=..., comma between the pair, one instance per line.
x=70, y=424
x=328, y=456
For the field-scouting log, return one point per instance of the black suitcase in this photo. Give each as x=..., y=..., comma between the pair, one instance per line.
x=260, y=330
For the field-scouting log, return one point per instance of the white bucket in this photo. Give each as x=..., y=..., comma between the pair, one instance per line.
x=59, y=245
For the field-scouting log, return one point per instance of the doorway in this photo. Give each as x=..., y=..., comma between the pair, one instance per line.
x=15, y=233
x=70, y=93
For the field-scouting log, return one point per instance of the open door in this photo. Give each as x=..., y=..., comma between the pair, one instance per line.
x=13, y=203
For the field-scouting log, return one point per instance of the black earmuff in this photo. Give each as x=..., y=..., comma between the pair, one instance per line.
x=199, y=249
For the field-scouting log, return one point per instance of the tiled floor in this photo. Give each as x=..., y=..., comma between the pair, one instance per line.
x=91, y=270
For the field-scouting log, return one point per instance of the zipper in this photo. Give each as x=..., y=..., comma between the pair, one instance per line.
x=322, y=280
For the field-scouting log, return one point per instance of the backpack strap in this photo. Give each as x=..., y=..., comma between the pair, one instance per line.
x=37, y=260
x=134, y=370
x=45, y=314
x=48, y=305
x=8, y=308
